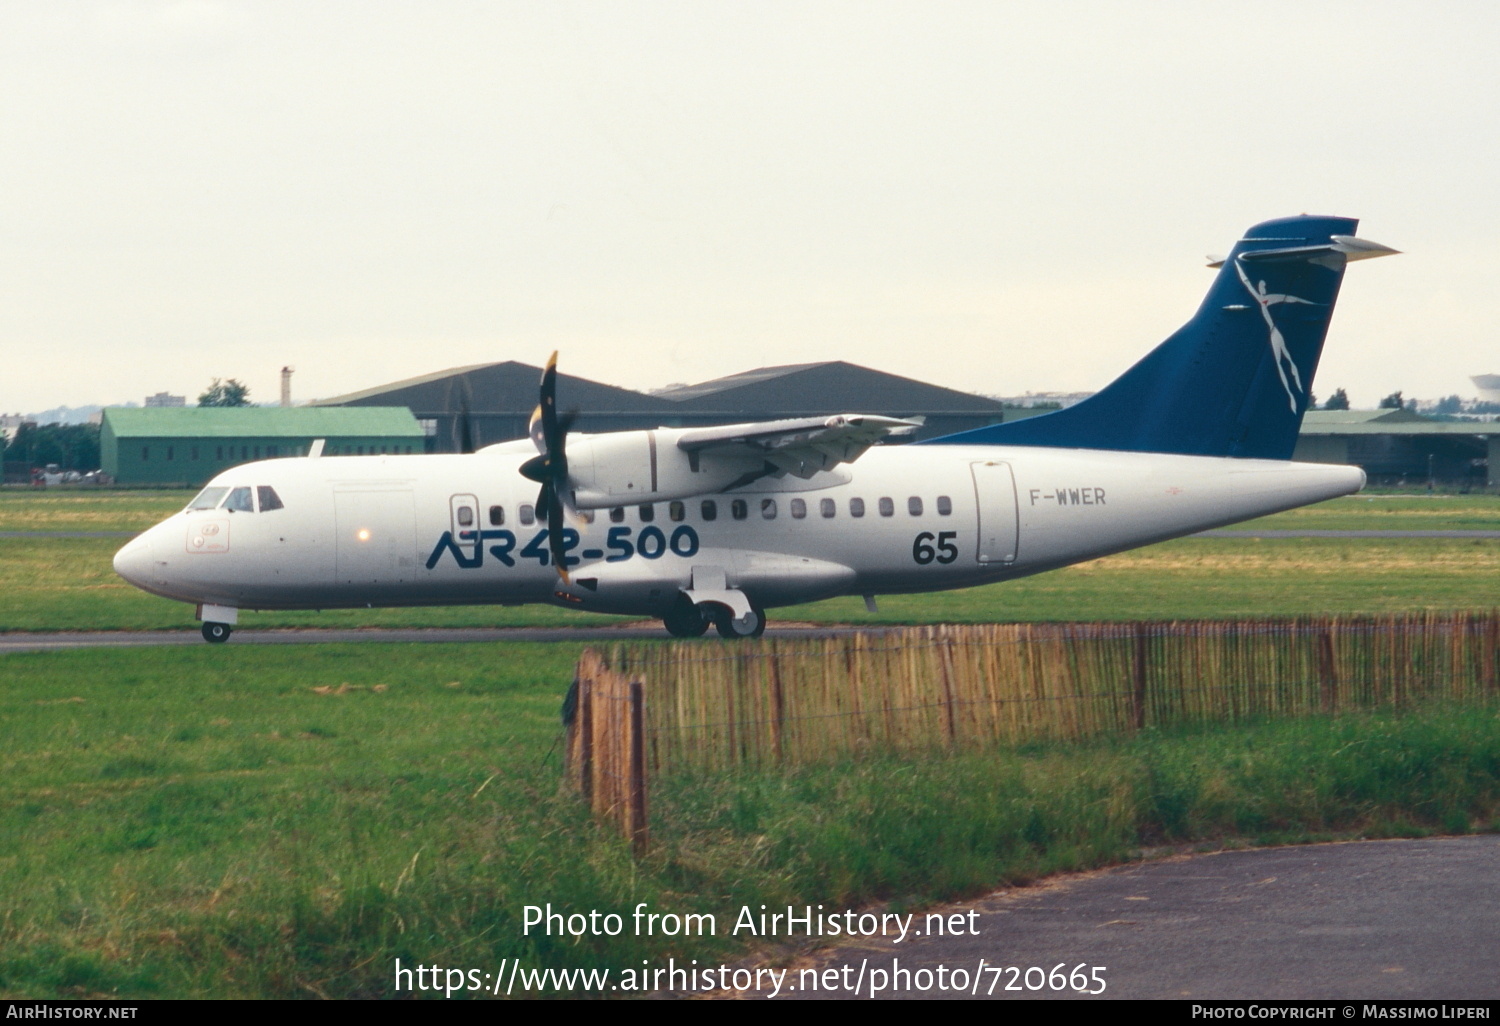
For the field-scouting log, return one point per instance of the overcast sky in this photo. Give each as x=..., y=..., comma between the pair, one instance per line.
x=994, y=196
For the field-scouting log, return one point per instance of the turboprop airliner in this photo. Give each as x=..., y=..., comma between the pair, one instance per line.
x=713, y=526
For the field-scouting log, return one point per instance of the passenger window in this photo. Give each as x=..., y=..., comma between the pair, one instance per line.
x=914, y=506
x=945, y=506
x=799, y=509
x=739, y=509
x=648, y=513
x=208, y=498
x=240, y=501
x=827, y=507
x=269, y=500
x=617, y=515
x=465, y=516
x=497, y=516
x=768, y=508
x=528, y=515
x=856, y=507
x=887, y=507
x=676, y=511
x=710, y=509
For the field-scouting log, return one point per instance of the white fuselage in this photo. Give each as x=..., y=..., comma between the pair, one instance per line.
x=393, y=531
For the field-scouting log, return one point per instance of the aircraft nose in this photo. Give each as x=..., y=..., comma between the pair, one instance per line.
x=133, y=562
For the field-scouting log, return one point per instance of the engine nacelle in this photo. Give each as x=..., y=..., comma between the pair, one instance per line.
x=629, y=467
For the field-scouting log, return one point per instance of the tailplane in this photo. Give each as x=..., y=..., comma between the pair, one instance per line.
x=1234, y=380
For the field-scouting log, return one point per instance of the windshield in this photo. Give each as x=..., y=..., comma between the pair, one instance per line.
x=239, y=501
x=208, y=498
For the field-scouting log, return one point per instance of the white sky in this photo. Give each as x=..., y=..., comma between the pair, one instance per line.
x=993, y=196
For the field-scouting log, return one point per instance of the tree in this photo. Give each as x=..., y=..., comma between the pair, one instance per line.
x=70, y=446
x=227, y=393
x=1392, y=402
x=1450, y=404
x=1338, y=401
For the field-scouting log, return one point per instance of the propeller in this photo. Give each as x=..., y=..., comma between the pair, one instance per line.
x=550, y=469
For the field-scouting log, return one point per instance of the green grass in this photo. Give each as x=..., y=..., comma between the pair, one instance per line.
x=254, y=822
x=86, y=509
x=1388, y=513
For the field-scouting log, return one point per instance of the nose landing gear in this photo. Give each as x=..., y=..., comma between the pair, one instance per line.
x=751, y=625
x=689, y=620
x=217, y=633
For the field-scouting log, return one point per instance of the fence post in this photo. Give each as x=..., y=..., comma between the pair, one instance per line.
x=1487, y=648
x=945, y=669
x=636, y=810
x=1328, y=671
x=1138, y=692
x=778, y=711
x=586, y=735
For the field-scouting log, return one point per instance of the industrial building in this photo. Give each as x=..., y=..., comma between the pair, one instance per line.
x=468, y=407
x=189, y=445
x=1402, y=447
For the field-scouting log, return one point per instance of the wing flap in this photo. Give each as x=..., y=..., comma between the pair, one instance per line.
x=801, y=447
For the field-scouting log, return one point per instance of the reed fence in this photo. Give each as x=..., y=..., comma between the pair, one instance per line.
x=795, y=701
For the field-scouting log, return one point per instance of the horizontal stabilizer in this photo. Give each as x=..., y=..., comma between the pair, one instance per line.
x=1347, y=245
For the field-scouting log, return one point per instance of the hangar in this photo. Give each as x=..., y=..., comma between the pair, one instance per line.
x=492, y=402
x=1402, y=447
x=189, y=445
x=496, y=400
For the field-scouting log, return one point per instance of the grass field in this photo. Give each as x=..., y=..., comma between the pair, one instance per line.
x=68, y=583
x=175, y=823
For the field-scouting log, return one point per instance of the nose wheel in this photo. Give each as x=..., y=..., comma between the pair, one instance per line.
x=217, y=633
x=751, y=625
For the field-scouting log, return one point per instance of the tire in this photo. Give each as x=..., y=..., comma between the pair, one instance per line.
x=217, y=633
x=685, y=620
x=752, y=626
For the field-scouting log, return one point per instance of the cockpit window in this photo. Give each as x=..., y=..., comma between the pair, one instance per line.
x=240, y=501
x=269, y=500
x=208, y=498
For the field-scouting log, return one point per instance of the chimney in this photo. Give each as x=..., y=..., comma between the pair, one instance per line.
x=286, y=385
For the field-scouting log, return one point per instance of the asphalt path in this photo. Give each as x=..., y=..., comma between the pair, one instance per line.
x=1407, y=920
x=1346, y=534
x=652, y=631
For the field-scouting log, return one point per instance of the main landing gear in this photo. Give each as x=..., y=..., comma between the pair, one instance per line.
x=686, y=620
x=218, y=633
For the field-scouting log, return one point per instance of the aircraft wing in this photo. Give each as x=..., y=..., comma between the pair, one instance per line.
x=801, y=447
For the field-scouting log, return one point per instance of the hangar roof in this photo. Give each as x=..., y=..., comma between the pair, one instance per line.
x=504, y=387
x=260, y=422
x=797, y=388
x=1390, y=422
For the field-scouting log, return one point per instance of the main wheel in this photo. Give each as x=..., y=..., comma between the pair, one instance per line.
x=751, y=625
x=218, y=633
x=685, y=620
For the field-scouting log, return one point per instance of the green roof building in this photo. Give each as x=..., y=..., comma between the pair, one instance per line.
x=189, y=445
x=1403, y=447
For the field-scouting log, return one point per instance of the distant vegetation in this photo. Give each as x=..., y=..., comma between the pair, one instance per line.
x=70, y=446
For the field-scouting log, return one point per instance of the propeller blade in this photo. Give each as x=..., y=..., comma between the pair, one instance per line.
x=549, y=468
x=556, y=524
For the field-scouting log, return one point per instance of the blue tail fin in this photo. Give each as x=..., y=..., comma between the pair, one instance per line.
x=1233, y=381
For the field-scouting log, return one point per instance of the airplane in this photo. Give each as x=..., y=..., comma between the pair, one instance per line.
x=713, y=526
